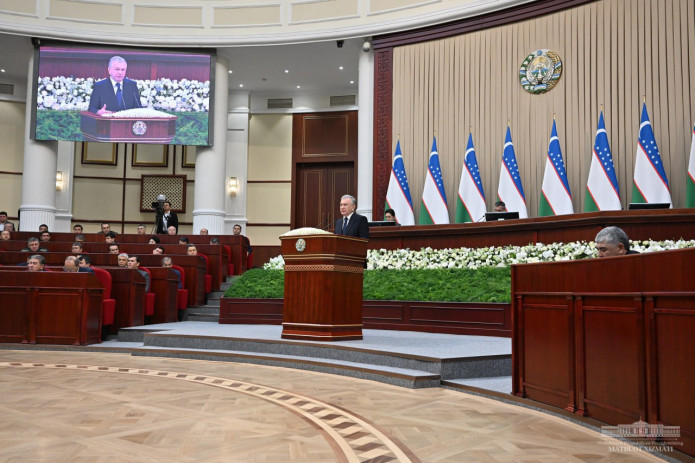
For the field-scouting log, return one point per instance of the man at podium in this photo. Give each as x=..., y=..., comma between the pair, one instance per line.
x=115, y=93
x=351, y=223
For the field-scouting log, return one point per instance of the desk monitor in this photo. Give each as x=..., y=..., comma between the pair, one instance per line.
x=382, y=223
x=492, y=216
x=634, y=206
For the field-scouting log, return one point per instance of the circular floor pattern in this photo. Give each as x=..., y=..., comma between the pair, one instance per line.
x=352, y=438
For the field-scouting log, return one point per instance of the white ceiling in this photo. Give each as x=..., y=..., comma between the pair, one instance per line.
x=261, y=69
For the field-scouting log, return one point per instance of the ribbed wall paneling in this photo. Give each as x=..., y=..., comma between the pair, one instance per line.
x=613, y=53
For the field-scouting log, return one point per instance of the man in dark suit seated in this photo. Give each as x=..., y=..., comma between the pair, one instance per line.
x=351, y=224
x=115, y=93
x=613, y=241
x=33, y=245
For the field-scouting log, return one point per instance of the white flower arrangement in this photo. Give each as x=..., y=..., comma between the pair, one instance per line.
x=140, y=112
x=494, y=256
x=306, y=231
x=63, y=93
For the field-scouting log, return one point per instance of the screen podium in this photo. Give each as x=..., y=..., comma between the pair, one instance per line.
x=323, y=287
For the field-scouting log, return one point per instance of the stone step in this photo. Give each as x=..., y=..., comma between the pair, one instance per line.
x=402, y=377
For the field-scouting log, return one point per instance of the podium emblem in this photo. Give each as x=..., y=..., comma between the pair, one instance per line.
x=139, y=128
x=540, y=71
x=300, y=245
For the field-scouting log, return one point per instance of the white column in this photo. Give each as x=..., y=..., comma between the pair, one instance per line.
x=38, y=174
x=66, y=166
x=365, y=138
x=237, y=160
x=210, y=190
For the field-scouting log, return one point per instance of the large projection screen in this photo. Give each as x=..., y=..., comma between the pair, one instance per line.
x=131, y=95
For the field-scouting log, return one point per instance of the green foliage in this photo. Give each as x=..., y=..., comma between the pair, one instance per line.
x=58, y=125
x=446, y=285
x=191, y=128
x=258, y=284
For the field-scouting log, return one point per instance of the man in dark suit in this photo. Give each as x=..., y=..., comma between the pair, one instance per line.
x=115, y=93
x=167, y=219
x=351, y=223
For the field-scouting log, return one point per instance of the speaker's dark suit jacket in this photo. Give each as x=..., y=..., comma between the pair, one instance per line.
x=103, y=93
x=358, y=226
x=173, y=220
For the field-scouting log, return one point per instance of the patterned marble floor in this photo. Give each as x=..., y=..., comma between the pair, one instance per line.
x=99, y=407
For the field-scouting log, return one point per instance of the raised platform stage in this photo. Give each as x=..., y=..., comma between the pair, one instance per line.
x=401, y=358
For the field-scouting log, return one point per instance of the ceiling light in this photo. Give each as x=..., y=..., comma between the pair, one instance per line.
x=287, y=71
x=341, y=68
x=2, y=70
x=352, y=81
x=298, y=86
x=241, y=85
x=230, y=71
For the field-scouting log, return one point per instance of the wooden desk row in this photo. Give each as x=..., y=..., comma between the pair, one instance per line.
x=194, y=266
x=237, y=245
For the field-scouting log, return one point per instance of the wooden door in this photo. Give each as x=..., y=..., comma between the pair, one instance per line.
x=324, y=156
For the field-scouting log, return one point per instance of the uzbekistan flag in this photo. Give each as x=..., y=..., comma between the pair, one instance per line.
x=556, y=198
x=650, y=184
x=433, y=209
x=690, y=180
x=510, y=190
x=602, y=191
x=470, y=206
x=398, y=195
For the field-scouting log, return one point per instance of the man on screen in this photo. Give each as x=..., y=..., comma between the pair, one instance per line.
x=115, y=93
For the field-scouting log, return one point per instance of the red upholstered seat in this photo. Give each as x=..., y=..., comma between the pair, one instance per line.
x=108, y=306
x=182, y=293
x=230, y=265
x=149, y=296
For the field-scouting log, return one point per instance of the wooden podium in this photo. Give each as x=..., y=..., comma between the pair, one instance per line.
x=323, y=287
x=127, y=129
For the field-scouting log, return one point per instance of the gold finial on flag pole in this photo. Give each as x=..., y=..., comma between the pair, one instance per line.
x=553, y=116
x=644, y=98
x=601, y=107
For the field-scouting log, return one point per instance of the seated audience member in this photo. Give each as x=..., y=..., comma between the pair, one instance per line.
x=122, y=259
x=134, y=263
x=158, y=251
x=154, y=240
x=113, y=249
x=612, y=241
x=237, y=231
x=84, y=262
x=36, y=263
x=191, y=250
x=33, y=245
x=390, y=215
x=78, y=229
x=43, y=228
x=9, y=226
x=5, y=235
x=77, y=248
x=110, y=237
x=142, y=229
x=500, y=206
x=203, y=231
x=105, y=228
x=168, y=263
x=171, y=230
x=71, y=264
x=183, y=240
x=4, y=221
x=79, y=238
x=45, y=236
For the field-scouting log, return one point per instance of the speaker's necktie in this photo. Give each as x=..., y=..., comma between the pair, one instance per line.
x=345, y=221
x=119, y=96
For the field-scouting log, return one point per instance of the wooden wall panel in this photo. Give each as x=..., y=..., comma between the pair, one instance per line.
x=614, y=53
